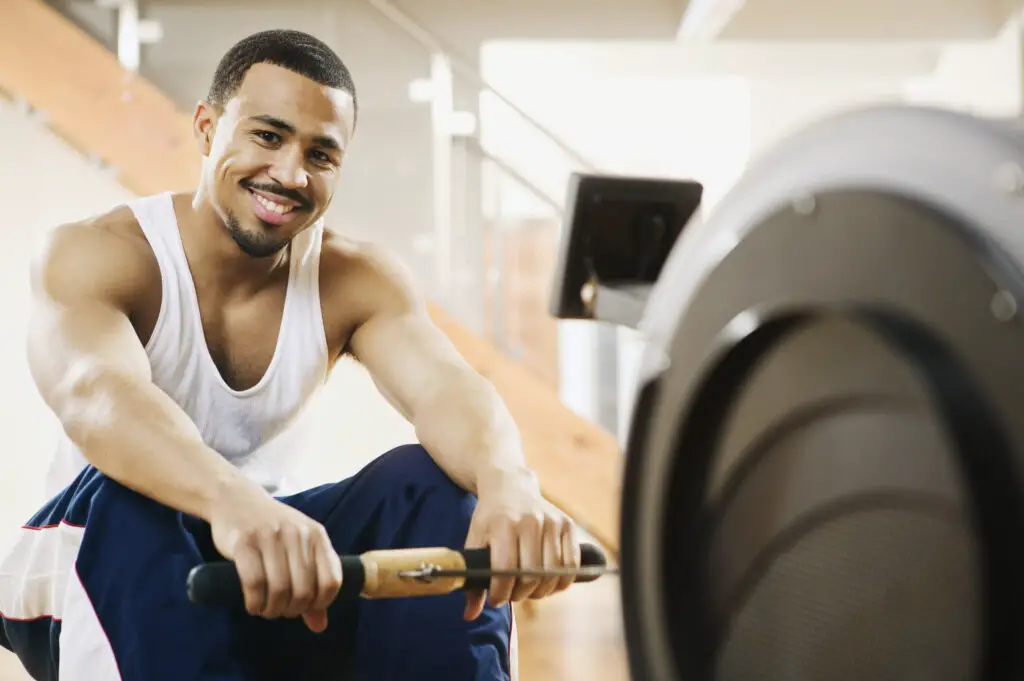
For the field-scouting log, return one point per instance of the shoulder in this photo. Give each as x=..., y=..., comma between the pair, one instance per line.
x=366, y=276
x=104, y=254
x=360, y=281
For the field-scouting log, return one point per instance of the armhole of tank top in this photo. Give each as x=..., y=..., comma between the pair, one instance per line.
x=314, y=286
x=143, y=209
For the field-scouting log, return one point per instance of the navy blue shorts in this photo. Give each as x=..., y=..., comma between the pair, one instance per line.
x=95, y=587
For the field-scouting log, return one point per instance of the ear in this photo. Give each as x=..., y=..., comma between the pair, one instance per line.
x=204, y=126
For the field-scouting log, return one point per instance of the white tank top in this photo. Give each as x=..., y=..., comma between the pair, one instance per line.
x=256, y=429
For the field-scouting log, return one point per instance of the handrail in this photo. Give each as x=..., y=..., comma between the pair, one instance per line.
x=530, y=186
x=418, y=32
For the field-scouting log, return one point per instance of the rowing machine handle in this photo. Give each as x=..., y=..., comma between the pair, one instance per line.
x=373, y=574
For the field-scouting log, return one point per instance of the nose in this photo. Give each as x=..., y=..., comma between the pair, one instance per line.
x=289, y=170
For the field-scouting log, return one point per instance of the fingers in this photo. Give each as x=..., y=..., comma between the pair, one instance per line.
x=531, y=555
x=249, y=564
x=476, y=538
x=475, y=602
x=504, y=545
x=289, y=572
x=551, y=546
x=569, y=539
x=316, y=620
x=328, y=568
x=537, y=541
x=302, y=567
x=278, y=571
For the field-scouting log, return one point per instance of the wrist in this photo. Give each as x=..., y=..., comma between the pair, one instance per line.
x=226, y=486
x=519, y=477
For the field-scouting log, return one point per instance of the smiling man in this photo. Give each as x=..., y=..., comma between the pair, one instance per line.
x=177, y=338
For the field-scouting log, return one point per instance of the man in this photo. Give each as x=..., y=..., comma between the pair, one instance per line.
x=177, y=339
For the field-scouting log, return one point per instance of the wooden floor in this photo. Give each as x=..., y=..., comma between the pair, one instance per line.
x=573, y=636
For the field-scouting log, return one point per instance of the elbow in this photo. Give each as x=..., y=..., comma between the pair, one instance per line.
x=83, y=400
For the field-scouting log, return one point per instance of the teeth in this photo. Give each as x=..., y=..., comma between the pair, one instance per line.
x=271, y=205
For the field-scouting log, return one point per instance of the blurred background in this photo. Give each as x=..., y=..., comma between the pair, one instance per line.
x=472, y=115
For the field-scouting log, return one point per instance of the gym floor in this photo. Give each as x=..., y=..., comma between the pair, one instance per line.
x=573, y=636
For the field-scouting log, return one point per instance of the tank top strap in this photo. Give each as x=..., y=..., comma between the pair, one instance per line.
x=155, y=215
x=159, y=224
x=305, y=284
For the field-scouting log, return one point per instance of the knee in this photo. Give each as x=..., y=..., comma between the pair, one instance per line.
x=412, y=464
x=101, y=499
x=412, y=469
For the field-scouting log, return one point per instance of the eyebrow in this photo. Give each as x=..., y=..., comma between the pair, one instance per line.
x=325, y=141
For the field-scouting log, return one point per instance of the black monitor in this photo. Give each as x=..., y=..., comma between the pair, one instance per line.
x=617, y=235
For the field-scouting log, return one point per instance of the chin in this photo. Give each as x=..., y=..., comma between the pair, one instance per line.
x=256, y=247
x=256, y=238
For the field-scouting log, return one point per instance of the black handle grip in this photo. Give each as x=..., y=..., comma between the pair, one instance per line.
x=480, y=559
x=218, y=583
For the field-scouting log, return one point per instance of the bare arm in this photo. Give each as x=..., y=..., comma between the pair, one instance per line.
x=465, y=426
x=92, y=371
x=458, y=415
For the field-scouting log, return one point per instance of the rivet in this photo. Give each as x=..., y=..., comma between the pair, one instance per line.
x=588, y=293
x=804, y=205
x=1003, y=306
x=1009, y=178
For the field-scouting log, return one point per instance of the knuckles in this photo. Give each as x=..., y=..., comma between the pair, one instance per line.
x=333, y=583
x=531, y=523
x=303, y=596
x=287, y=594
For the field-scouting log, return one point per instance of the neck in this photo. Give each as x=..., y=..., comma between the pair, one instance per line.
x=213, y=255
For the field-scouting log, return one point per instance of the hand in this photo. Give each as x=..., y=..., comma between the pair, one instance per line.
x=287, y=565
x=522, y=530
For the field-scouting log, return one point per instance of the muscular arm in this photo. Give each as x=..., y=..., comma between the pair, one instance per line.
x=92, y=371
x=465, y=426
x=458, y=415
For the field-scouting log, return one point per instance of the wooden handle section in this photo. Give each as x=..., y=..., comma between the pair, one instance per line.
x=382, y=567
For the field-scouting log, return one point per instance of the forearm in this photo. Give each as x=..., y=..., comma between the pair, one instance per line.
x=131, y=431
x=469, y=431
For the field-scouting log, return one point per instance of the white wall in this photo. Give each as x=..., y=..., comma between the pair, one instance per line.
x=866, y=20
x=983, y=78
x=783, y=106
x=636, y=123
x=44, y=182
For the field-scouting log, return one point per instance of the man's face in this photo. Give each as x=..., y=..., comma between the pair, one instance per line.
x=273, y=155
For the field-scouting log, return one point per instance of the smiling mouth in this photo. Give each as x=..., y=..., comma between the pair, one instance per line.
x=270, y=204
x=273, y=209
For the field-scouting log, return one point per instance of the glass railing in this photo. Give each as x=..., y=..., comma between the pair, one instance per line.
x=508, y=176
x=519, y=260
x=493, y=164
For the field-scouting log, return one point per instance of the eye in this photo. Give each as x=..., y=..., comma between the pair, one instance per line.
x=267, y=136
x=321, y=157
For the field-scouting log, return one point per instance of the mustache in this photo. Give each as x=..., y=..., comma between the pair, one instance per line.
x=280, y=191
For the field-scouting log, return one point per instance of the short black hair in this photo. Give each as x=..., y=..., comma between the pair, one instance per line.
x=292, y=50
